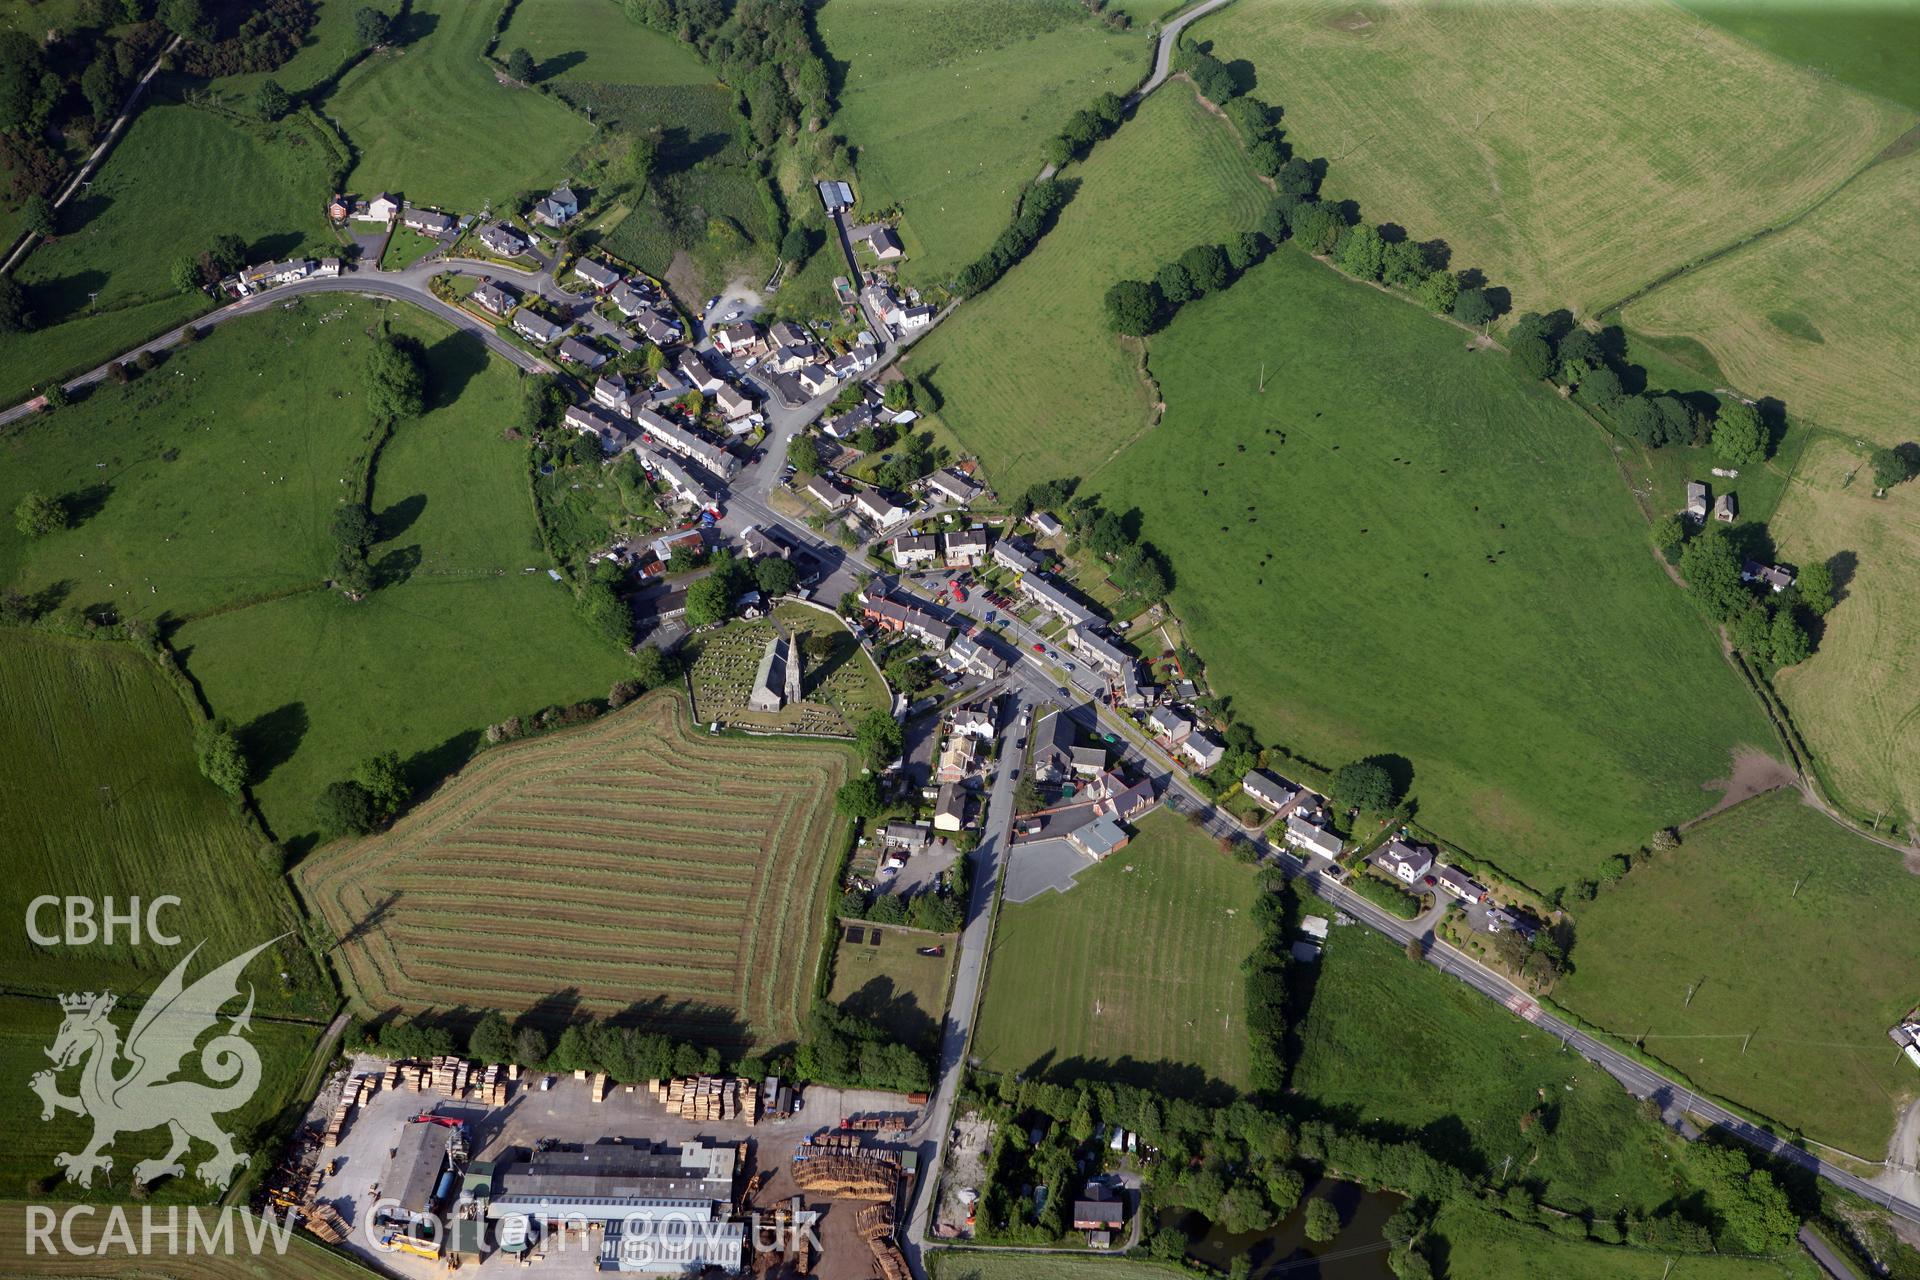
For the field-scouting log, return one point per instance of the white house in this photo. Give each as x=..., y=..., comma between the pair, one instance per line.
x=877, y=509
x=966, y=548
x=663, y=433
x=382, y=208
x=557, y=208
x=495, y=298
x=599, y=275
x=733, y=402
x=610, y=391
x=535, y=328
x=503, y=240
x=912, y=550
x=1405, y=862
x=1203, y=750
x=1271, y=793
x=1302, y=834
x=428, y=222
x=1170, y=728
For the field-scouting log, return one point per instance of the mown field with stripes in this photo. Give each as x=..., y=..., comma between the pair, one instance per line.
x=636, y=865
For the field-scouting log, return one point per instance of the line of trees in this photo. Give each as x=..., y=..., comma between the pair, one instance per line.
x=1084, y=128
x=1039, y=208
x=765, y=48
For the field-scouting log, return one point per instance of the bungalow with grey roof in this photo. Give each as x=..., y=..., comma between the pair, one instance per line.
x=496, y=298
x=849, y=424
x=953, y=486
x=1460, y=884
x=1268, y=791
x=630, y=299
x=788, y=333
x=910, y=836
x=1776, y=578
x=1311, y=837
x=501, y=239
x=428, y=222
x=585, y=354
x=535, y=327
x=829, y=494
x=1403, y=861
x=669, y=384
x=1044, y=524
x=597, y=274
x=1203, y=750
x=328, y=267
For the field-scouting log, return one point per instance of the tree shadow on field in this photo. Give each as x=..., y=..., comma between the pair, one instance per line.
x=878, y=1001
x=1399, y=771
x=65, y=296
x=85, y=503
x=679, y=1018
x=558, y=64
x=274, y=247
x=399, y=517
x=452, y=363
x=1842, y=565
x=397, y=565
x=416, y=25
x=371, y=922
x=426, y=770
x=271, y=738
x=1170, y=1079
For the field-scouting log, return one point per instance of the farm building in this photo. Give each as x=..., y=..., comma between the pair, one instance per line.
x=836, y=196
x=1697, y=500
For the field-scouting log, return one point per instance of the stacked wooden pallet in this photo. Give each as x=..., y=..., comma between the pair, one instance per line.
x=708, y=1098
x=325, y=1221
x=491, y=1086
x=330, y=1137
x=600, y=1085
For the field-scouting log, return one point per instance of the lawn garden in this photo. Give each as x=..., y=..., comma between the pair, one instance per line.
x=637, y=864
x=104, y=283
x=1434, y=118
x=880, y=975
x=1134, y=972
x=1401, y=546
x=1171, y=177
x=949, y=102
x=419, y=113
x=1857, y=700
x=1761, y=888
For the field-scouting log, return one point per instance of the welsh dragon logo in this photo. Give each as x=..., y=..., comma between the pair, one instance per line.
x=144, y=1095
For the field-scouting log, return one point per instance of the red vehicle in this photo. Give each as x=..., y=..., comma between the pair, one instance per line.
x=959, y=592
x=1040, y=649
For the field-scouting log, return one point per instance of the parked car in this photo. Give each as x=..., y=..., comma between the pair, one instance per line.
x=732, y=315
x=712, y=303
x=1040, y=649
x=1431, y=881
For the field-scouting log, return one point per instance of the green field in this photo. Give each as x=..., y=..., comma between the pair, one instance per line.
x=328, y=46
x=593, y=40
x=1857, y=700
x=637, y=865
x=1822, y=316
x=1481, y=1245
x=949, y=101
x=1136, y=969
x=27, y=1029
x=1391, y=1043
x=420, y=114
x=1767, y=884
x=954, y=1264
x=470, y=636
x=1401, y=546
x=120, y=240
x=890, y=982
x=1603, y=154
x=101, y=797
x=208, y=481
x=1030, y=376
x=1872, y=47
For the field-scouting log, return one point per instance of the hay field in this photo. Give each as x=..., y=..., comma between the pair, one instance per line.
x=1788, y=928
x=420, y=114
x=1575, y=153
x=1857, y=700
x=636, y=863
x=1134, y=973
x=949, y=101
x=1825, y=315
x=1029, y=374
x=99, y=795
x=1404, y=546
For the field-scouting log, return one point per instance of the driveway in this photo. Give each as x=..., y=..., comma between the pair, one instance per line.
x=1036, y=866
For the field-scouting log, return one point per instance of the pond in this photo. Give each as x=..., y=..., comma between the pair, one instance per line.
x=1359, y=1252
